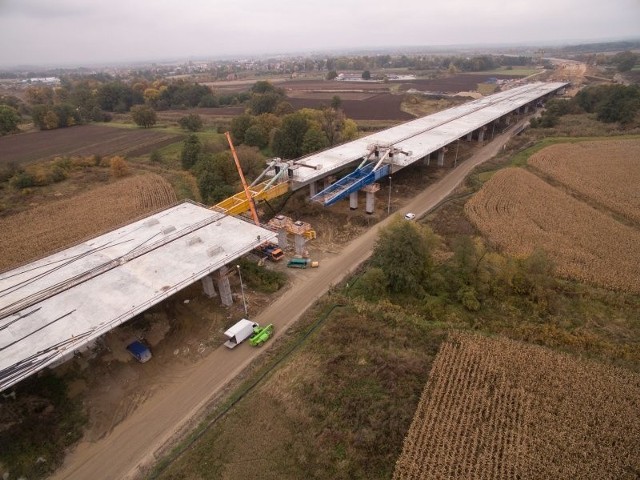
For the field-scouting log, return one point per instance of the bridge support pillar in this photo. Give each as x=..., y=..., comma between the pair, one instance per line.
x=370, y=190
x=282, y=238
x=427, y=159
x=224, y=288
x=353, y=200
x=481, y=134
x=469, y=136
x=526, y=108
x=207, y=287
x=507, y=119
x=299, y=243
x=441, y=157
x=313, y=189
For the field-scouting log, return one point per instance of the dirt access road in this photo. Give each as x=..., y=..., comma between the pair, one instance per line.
x=132, y=443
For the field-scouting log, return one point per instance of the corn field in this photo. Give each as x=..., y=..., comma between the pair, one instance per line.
x=607, y=173
x=496, y=408
x=518, y=211
x=41, y=230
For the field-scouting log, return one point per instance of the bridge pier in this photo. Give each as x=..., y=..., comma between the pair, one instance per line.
x=469, y=136
x=279, y=222
x=481, y=133
x=224, y=287
x=313, y=189
x=207, y=287
x=353, y=200
x=299, y=244
x=441, y=157
x=371, y=197
x=427, y=159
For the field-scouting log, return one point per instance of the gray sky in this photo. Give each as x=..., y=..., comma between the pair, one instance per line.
x=58, y=32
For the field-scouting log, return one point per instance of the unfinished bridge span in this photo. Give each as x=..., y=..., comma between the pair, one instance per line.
x=380, y=154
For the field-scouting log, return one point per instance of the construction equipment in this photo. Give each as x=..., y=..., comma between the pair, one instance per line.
x=269, y=250
x=247, y=193
x=374, y=166
x=302, y=263
x=261, y=335
x=272, y=251
x=266, y=190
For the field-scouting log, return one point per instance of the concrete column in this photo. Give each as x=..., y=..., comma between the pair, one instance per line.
x=441, y=157
x=370, y=205
x=313, y=189
x=507, y=120
x=207, y=287
x=282, y=238
x=353, y=201
x=427, y=160
x=526, y=108
x=300, y=242
x=469, y=136
x=481, y=134
x=224, y=288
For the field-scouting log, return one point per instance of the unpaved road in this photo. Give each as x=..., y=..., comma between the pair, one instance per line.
x=132, y=443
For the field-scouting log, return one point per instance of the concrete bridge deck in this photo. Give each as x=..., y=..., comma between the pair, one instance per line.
x=425, y=135
x=61, y=303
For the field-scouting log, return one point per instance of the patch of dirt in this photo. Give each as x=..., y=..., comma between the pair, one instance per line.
x=180, y=331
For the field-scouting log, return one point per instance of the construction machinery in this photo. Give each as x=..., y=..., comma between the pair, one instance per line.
x=302, y=263
x=272, y=251
x=261, y=335
x=266, y=190
x=374, y=166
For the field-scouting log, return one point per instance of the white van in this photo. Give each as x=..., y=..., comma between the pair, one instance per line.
x=239, y=332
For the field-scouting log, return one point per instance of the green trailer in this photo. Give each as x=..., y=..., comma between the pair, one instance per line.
x=261, y=335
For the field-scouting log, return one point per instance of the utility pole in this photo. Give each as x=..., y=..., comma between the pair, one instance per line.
x=389, y=201
x=244, y=302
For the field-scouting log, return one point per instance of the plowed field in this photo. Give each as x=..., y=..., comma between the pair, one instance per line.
x=81, y=140
x=519, y=212
x=495, y=408
x=384, y=106
x=606, y=172
x=47, y=228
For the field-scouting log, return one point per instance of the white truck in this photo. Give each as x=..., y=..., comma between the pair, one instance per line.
x=239, y=332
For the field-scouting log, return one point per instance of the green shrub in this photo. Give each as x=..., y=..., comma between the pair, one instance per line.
x=22, y=180
x=57, y=174
x=261, y=278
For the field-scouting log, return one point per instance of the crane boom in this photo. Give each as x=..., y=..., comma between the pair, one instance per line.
x=252, y=206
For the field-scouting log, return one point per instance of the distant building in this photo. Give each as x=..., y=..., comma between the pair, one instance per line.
x=44, y=80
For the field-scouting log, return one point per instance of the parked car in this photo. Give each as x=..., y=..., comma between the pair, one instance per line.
x=139, y=351
x=410, y=216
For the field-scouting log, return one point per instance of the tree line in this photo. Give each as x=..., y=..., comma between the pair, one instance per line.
x=403, y=270
x=79, y=101
x=276, y=131
x=609, y=103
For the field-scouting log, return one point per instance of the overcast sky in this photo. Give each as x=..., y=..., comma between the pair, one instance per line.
x=70, y=32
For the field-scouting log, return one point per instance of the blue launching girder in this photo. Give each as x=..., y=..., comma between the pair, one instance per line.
x=360, y=177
